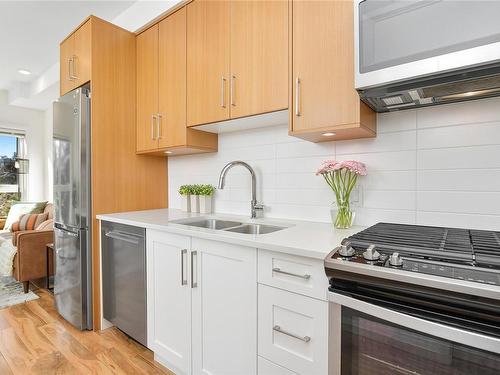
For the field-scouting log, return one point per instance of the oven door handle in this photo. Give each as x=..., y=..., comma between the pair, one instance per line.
x=460, y=336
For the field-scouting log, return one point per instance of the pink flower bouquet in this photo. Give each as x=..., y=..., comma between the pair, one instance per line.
x=342, y=176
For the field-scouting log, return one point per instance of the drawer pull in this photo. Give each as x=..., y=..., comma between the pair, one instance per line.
x=305, y=277
x=278, y=329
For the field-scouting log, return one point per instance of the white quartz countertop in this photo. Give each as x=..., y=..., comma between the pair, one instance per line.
x=303, y=238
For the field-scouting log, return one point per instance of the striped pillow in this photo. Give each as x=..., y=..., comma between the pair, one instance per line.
x=46, y=225
x=28, y=222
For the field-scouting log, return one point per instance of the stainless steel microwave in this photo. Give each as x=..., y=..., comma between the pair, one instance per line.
x=404, y=46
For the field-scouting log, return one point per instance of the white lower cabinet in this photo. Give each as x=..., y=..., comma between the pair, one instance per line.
x=266, y=367
x=293, y=331
x=224, y=309
x=169, y=300
x=202, y=305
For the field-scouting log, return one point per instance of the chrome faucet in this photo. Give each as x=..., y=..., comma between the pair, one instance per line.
x=254, y=206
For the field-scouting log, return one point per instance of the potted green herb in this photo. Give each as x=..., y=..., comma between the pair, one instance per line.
x=185, y=192
x=205, y=196
x=195, y=199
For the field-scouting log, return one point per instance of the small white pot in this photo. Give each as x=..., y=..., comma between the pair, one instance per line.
x=195, y=203
x=205, y=204
x=186, y=203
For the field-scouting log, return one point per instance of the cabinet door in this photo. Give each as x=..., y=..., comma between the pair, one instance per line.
x=82, y=54
x=172, y=80
x=259, y=57
x=208, y=44
x=66, y=54
x=323, y=65
x=224, y=308
x=293, y=331
x=169, y=299
x=147, y=89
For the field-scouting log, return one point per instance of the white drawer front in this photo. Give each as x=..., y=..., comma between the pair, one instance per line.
x=293, y=331
x=297, y=274
x=266, y=367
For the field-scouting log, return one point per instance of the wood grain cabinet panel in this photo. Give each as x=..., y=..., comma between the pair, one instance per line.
x=259, y=57
x=172, y=80
x=208, y=56
x=323, y=97
x=147, y=89
x=82, y=54
x=65, y=61
x=161, y=91
x=75, y=57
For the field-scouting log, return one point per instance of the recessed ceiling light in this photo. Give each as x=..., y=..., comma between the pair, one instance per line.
x=328, y=134
x=168, y=152
x=24, y=72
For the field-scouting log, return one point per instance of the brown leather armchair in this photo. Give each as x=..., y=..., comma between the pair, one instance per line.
x=30, y=262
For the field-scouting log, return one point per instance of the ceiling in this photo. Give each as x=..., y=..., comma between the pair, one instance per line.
x=30, y=33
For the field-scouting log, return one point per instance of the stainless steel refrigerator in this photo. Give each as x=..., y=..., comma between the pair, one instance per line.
x=72, y=208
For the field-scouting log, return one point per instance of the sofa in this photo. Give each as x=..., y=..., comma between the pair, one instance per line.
x=30, y=259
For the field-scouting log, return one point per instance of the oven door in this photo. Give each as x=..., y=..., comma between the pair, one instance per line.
x=401, y=40
x=377, y=340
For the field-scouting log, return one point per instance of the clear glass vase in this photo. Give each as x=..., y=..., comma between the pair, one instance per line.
x=342, y=216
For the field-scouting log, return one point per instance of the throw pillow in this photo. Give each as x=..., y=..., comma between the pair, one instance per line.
x=46, y=225
x=28, y=222
x=22, y=208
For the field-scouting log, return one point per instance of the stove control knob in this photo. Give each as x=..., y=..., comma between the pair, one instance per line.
x=346, y=251
x=395, y=260
x=371, y=254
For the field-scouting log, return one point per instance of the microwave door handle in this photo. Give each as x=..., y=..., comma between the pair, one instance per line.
x=439, y=330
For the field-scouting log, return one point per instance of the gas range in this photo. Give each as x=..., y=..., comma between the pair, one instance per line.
x=460, y=259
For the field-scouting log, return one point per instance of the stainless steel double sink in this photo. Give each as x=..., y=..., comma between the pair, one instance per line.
x=230, y=226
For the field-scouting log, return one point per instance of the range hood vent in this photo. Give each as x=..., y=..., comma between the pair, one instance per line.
x=466, y=84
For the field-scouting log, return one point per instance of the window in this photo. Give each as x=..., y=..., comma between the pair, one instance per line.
x=13, y=170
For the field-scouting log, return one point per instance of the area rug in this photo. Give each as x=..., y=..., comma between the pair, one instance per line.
x=11, y=292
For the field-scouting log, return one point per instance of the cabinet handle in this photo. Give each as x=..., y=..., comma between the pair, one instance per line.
x=183, y=278
x=194, y=282
x=297, y=96
x=69, y=70
x=305, y=277
x=231, y=90
x=223, y=92
x=73, y=69
x=304, y=338
x=153, y=117
x=158, y=125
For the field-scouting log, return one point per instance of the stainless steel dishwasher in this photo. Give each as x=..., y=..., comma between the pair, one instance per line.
x=124, y=278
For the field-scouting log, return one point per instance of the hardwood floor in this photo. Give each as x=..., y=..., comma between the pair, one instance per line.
x=34, y=339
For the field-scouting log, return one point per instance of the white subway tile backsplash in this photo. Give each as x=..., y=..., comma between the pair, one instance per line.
x=487, y=133
x=382, y=143
x=432, y=166
x=485, y=110
x=479, y=203
x=459, y=158
x=472, y=180
x=396, y=121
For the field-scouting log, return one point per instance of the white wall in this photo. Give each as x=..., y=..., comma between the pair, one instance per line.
x=435, y=166
x=32, y=123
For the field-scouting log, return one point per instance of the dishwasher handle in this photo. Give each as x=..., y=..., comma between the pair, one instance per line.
x=122, y=236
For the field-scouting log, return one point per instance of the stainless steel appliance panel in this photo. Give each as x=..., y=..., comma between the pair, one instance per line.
x=71, y=151
x=377, y=340
x=72, y=291
x=400, y=40
x=124, y=278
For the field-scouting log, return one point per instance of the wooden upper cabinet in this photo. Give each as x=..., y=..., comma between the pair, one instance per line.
x=259, y=57
x=323, y=97
x=66, y=55
x=75, y=57
x=147, y=89
x=172, y=80
x=208, y=57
